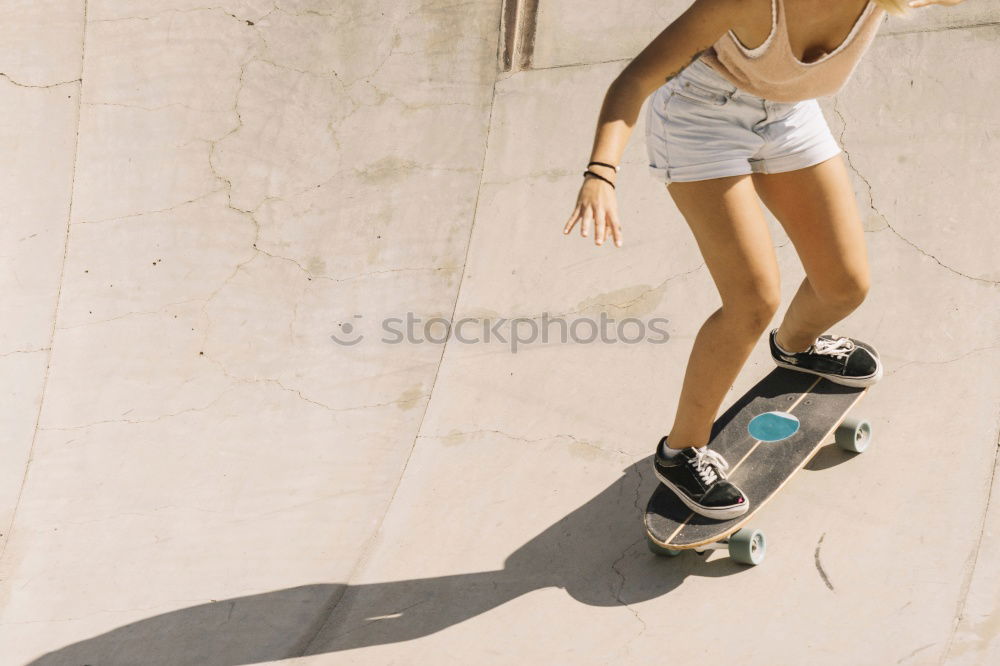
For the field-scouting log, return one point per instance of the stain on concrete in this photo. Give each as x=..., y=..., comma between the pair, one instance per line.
x=316, y=266
x=583, y=450
x=635, y=301
x=454, y=438
x=411, y=397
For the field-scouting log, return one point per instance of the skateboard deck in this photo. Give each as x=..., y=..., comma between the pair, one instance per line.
x=809, y=406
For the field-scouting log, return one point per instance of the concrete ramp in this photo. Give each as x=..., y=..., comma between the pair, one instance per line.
x=275, y=277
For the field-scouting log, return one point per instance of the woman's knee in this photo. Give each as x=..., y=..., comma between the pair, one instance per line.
x=847, y=292
x=753, y=311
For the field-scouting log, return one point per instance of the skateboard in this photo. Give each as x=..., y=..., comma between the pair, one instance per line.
x=767, y=436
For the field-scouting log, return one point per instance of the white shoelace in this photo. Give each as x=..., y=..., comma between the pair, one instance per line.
x=840, y=347
x=709, y=465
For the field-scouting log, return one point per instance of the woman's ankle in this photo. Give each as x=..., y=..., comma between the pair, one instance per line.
x=678, y=443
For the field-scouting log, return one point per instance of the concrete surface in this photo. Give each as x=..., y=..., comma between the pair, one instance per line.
x=197, y=196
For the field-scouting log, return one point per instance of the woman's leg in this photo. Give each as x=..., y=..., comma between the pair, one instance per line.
x=816, y=207
x=731, y=231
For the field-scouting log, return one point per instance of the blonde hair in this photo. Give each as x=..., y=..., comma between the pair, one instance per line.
x=895, y=7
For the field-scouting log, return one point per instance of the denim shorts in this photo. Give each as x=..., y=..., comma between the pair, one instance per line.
x=699, y=126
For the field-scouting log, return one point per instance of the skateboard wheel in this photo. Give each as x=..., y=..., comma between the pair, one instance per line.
x=854, y=435
x=747, y=546
x=660, y=550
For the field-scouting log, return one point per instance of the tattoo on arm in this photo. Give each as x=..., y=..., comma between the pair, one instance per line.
x=693, y=58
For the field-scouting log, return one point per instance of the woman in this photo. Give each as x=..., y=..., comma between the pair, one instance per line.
x=730, y=123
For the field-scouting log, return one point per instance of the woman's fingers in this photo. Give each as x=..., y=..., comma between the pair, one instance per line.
x=608, y=224
x=616, y=228
x=600, y=222
x=587, y=222
x=571, y=222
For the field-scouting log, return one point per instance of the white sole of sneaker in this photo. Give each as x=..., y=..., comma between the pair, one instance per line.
x=857, y=382
x=721, y=513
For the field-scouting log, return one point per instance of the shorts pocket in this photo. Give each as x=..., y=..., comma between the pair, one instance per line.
x=695, y=92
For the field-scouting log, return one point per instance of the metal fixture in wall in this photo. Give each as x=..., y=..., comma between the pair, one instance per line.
x=517, y=34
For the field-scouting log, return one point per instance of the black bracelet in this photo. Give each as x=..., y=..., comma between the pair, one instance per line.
x=610, y=166
x=597, y=175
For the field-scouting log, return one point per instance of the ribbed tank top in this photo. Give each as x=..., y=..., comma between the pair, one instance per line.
x=773, y=72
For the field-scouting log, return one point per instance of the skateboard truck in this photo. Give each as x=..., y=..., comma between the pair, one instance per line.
x=745, y=545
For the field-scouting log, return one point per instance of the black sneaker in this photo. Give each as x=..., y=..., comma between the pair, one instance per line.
x=841, y=360
x=698, y=477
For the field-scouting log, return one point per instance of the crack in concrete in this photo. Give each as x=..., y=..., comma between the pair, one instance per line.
x=120, y=218
x=973, y=560
x=621, y=587
x=25, y=351
x=525, y=440
x=638, y=487
x=253, y=22
x=190, y=10
x=130, y=313
x=214, y=144
x=277, y=382
x=914, y=652
x=49, y=85
x=5, y=535
x=885, y=220
x=943, y=362
x=161, y=107
x=621, y=574
x=154, y=419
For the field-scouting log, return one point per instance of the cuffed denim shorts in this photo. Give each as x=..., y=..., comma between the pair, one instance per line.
x=699, y=126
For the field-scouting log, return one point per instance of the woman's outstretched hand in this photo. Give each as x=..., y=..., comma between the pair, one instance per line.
x=596, y=206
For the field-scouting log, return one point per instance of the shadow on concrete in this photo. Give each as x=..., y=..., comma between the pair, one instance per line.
x=597, y=554
x=829, y=456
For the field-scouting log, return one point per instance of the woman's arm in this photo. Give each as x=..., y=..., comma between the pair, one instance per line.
x=925, y=3
x=680, y=44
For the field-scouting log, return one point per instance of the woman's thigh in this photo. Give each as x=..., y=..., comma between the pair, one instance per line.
x=728, y=224
x=817, y=209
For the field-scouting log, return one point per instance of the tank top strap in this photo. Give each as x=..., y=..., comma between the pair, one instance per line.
x=781, y=26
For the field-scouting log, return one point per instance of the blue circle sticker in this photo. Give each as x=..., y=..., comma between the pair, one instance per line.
x=773, y=426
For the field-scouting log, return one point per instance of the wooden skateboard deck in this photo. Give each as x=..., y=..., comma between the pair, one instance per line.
x=757, y=466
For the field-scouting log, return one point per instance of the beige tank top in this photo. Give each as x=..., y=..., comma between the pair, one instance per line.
x=773, y=72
